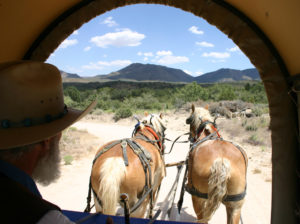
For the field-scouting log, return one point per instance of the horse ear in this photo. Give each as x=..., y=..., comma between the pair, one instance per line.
x=188, y=120
x=193, y=108
x=161, y=115
x=146, y=113
x=206, y=107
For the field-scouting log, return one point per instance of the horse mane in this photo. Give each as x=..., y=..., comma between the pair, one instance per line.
x=157, y=123
x=200, y=115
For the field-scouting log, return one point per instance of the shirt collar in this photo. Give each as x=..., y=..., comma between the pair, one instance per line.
x=19, y=176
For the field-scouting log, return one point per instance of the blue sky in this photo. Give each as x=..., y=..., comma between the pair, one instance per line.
x=147, y=33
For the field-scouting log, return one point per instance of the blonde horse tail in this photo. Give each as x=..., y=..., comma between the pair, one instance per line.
x=112, y=173
x=217, y=186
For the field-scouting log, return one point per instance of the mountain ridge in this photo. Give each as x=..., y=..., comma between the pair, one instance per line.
x=151, y=72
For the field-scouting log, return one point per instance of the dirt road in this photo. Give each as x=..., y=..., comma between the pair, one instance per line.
x=70, y=191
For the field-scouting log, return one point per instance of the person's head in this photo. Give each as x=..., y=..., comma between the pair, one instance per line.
x=33, y=115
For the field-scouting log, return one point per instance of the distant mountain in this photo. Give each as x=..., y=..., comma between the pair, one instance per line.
x=66, y=75
x=228, y=75
x=150, y=72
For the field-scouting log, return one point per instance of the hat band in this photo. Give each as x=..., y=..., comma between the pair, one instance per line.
x=29, y=122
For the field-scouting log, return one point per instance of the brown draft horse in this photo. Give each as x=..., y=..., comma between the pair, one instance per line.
x=114, y=173
x=216, y=169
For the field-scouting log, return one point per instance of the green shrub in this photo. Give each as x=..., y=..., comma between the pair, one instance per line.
x=73, y=92
x=254, y=140
x=251, y=127
x=122, y=112
x=244, y=122
x=68, y=159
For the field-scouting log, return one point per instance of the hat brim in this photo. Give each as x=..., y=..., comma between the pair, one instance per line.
x=14, y=137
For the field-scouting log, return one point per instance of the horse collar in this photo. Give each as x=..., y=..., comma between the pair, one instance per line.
x=157, y=138
x=202, y=127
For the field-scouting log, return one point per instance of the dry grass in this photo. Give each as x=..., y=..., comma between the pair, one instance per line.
x=256, y=171
x=254, y=130
x=75, y=144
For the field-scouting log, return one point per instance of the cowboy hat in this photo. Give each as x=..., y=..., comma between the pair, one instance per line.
x=32, y=103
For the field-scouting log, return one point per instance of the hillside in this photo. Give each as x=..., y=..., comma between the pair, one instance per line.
x=150, y=72
x=228, y=75
x=66, y=75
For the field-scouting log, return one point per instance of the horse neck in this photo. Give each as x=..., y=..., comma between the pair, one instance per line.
x=206, y=132
x=148, y=133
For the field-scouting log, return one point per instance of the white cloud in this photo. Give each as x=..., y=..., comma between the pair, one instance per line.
x=75, y=32
x=217, y=61
x=188, y=72
x=233, y=49
x=205, y=44
x=87, y=48
x=146, y=54
x=171, y=59
x=167, y=58
x=145, y=59
x=104, y=64
x=216, y=55
x=195, y=30
x=122, y=38
x=68, y=42
x=163, y=53
x=199, y=73
x=109, y=22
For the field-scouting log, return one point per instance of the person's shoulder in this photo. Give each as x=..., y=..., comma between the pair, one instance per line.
x=54, y=216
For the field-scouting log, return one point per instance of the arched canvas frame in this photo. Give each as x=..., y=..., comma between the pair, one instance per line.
x=252, y=41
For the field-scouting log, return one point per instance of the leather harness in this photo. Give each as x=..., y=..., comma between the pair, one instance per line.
x=144, y=156
x=191, y=189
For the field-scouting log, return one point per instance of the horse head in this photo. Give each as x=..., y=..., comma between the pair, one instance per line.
x=156, y=122
x=200, y=121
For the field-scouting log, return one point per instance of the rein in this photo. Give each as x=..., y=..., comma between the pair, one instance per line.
x=202, y=128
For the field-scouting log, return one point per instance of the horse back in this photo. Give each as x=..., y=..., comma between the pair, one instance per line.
x=135, y=174
x=203, y=157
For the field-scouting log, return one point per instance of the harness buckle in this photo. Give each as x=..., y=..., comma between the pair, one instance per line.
x=124, y=144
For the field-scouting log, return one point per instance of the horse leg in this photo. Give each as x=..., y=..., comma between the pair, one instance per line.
x=233, y=210
x=199, y=206
x=140, y=212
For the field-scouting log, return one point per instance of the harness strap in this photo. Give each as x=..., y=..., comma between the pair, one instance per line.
x=211, y=136
x=144, y=157
x=124, y=146
x=203, y=125
x=192, y=190
x=105, y=149
x=234, y=197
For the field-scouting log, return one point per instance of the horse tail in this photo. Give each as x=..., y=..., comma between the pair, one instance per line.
x=112, y=173
x=217, y=185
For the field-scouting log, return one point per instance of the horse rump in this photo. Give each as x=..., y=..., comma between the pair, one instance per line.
x=112, y=173
x=217, y=186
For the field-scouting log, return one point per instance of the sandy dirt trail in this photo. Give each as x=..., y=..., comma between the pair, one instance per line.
x=70, y=191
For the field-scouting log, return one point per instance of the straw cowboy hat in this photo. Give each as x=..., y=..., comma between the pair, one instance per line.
x=32, y=104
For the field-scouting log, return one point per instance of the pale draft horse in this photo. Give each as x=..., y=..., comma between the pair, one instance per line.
x=216, y=169
x=121, y=166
